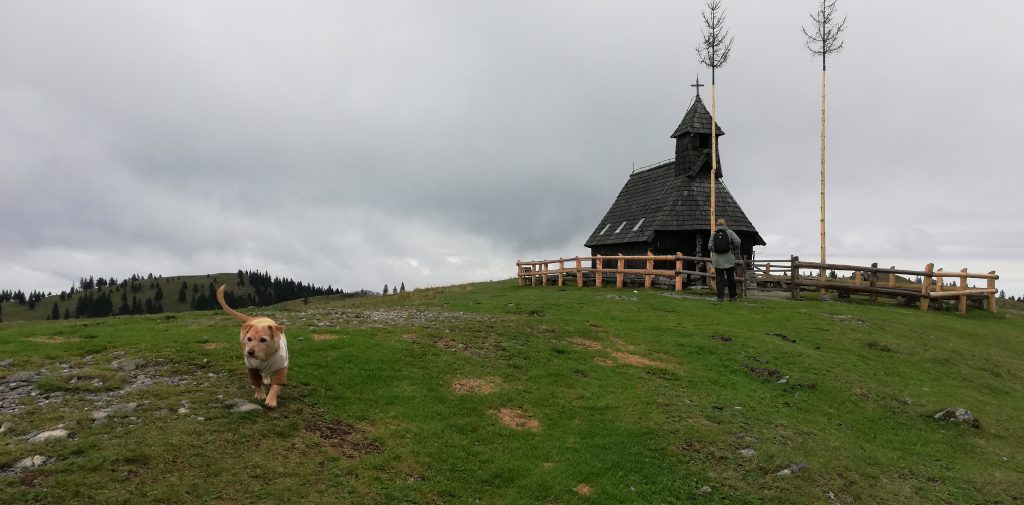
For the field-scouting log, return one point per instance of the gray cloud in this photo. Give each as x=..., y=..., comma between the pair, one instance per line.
x=355, y=143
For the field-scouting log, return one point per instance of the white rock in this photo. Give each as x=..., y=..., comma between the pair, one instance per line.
x=49, y=435
x=748, y=452
x=246, y=407
x=183, y=411
x=705, y=490
x=31, y=462
x=6, y=426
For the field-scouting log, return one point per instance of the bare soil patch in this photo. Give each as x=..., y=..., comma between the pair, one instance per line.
x=322, y=336
x=582, y=489
x=53, y=339
x=411, y=337
x=345, y=439
x=586, y=344
x=517, y=419
x=212, y=345
x=633, y=359
x=604, y=362
x=479, y=386
x=763, y=373
x=450, y=345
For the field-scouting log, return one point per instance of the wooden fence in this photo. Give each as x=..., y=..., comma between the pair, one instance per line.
x=540, y=272
x=785, y=274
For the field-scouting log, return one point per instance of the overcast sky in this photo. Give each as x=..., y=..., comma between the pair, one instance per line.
x=358, y=143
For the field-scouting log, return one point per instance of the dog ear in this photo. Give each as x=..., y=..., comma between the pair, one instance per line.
x=277, y=330
x=245, y=328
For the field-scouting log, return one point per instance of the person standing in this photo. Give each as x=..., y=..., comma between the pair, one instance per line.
x=724, y=246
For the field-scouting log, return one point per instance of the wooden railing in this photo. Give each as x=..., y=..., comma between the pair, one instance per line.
x=540, y=271
x=870, y=280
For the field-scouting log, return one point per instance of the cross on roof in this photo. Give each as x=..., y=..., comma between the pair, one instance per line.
x=698, y=85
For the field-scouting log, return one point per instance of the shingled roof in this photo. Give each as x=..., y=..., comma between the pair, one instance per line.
x=667, y=198
x=696, y=120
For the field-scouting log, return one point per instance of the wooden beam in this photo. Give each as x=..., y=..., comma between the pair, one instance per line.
x=679, y=271
x=600, y=272
x=650, y=267
x=579, y=272
x=793, y=277
x=620, y=275
x=963, y=287
x=991, y=302
x=873, y=281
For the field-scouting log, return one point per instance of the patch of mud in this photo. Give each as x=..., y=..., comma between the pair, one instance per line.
x=517, y=419
x=213, y=345
x=582, y=489
x=53, y=339
x=450, y=345
x=586, y=344
x=783, y=337
x=633, y=359
x=763, y=373
x=479, y=386
x=720, y=338
x=319, y=337
x=878, y=346
x=345, y=439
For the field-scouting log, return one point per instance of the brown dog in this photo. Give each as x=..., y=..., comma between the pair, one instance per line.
x=265, y=351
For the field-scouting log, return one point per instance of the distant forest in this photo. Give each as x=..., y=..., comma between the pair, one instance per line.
x=103, y=297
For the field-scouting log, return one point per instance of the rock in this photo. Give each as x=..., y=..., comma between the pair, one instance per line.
x=46, y=436
x=6, y=426
x=183, y=411
x=791, y=469
x=31, y=462
x=784, y=379
x=246, y=407
x=7, y=363
x=748, y=452
x=958, y=415
x=705, y=490
x=127, y=364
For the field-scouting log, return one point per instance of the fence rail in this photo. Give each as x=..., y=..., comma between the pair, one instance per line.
x=870, y=280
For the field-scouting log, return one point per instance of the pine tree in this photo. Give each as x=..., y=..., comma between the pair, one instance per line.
x=183, y=292
x=55, y=313
x=385, y=292
x=159, y=295
x=402, y=289
x=394, y=290
x=67, y=313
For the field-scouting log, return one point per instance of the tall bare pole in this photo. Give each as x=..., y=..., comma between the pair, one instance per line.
x=823, y=40
x=713, y=51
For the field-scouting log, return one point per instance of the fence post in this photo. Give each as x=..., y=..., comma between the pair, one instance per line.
x=892, y=277
x=963, y=287
x=793, y=276
x=600, y=271
x=926, y=284
x=679, y=271
x=579, y=273
x=650, y=268
x=561, y=272
x=874, y=281
x=940, y=282
x=856, y=278
x=620, y=274
x=544, y=274
x=519, y=272
x=992, y=296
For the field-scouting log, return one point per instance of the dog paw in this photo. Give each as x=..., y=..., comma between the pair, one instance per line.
x=271, y=403
x=260, y=394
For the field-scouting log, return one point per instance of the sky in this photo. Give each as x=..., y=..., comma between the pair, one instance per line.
x=353, y=143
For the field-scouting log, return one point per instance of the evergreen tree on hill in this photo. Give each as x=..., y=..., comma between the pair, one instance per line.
x=183, y=292
x=385, y=292
x=55, y=313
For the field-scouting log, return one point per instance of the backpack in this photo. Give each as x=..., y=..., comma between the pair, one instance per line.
x=721, y=243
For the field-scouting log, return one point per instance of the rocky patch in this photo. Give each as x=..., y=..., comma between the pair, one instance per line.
x=958, y=415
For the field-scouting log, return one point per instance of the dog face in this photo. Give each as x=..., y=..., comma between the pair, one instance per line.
x=260, y=338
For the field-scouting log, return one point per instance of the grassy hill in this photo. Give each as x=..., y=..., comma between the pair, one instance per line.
x=493, y=393
x=143, y=289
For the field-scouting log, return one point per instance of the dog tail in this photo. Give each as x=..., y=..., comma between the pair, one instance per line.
x=229, y=310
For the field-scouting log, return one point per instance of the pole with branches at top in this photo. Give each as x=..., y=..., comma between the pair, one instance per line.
x=713, y=51
x=823, y=40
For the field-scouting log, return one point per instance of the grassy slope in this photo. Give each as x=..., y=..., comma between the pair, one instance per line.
x=12, y=311
x=633, y=434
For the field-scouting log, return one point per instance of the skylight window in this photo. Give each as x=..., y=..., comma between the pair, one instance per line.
x=605, y=229
x=638, y=223
x=620, y=227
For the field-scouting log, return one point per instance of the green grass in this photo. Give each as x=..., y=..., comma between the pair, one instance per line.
x=863, y=381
